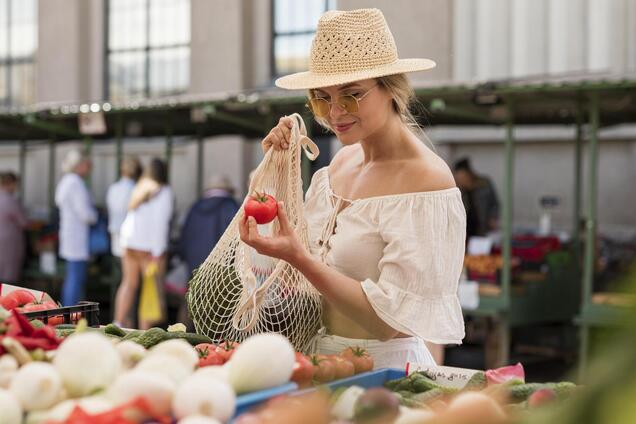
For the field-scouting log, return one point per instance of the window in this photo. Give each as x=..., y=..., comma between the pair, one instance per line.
x=18, y=43
x=148, y=53
x=294, y=27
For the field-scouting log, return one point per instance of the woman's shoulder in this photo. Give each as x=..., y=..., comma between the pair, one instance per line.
x=427, y=174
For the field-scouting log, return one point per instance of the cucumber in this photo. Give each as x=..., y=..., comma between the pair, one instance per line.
x=134, y=334
x=428, y=396
x=476, y=382
x=114, y=330
x=192, y=338
x=522, y=392
x=65, y=327
x=152, y=337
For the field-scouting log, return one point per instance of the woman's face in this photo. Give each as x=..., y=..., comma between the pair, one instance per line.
x=374, y=109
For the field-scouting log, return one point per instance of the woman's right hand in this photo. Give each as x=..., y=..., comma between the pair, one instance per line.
x=280, y=136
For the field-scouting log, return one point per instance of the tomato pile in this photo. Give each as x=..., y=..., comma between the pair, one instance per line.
x=212, y=354
x=325, y=368
x=24, y=301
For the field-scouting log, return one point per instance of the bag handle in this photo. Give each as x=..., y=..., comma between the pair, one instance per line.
x=246, y=315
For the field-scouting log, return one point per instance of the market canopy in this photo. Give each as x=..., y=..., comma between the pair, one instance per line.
x=252, y=113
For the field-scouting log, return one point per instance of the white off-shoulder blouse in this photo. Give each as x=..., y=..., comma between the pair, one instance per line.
x=407, y=250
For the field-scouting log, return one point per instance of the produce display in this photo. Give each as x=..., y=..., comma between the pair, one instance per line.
x=81, y=374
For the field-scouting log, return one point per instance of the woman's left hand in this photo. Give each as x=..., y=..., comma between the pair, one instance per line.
x=285, y=245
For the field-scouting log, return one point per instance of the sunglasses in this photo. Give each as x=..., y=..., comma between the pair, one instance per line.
x=320, y=107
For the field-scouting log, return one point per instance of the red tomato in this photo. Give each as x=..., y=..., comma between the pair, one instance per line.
x=208, y=355
x=21, y=296
x=324, y=369
x=38, y=306
x=56, y=320
x=9, y=303
x=226, y=350
x=361, y=359
x=344, y=367
x=263, y=207
x=303, y=370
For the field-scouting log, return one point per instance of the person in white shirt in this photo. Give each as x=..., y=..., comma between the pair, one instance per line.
x=144, y=237
x=118, y=198
x=76, y=215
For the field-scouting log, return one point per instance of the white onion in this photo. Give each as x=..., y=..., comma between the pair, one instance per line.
x=202, y=396
x=180, y=349
x=261, y=362
x=157, y=389
x=8, y=368
x=167, y=365
x=130, y=353
x=37, y=385
x=10, y=407
x=87, y=362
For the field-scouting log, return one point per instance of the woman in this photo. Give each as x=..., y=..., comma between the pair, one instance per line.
x=118, y=198
x=12, y=224
x=386, y=222
x=144, y=237
x=76, y=216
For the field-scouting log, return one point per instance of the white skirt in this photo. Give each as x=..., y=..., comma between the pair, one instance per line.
x=394, y=353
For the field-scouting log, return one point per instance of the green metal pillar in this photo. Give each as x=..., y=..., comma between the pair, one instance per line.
x=51, y=187
x=119, y=143
x=590, y=229
x=200, y=161
x=506, y=274
x=592, y=191
x=578, y=153
x=22, y=167
x=168, y=155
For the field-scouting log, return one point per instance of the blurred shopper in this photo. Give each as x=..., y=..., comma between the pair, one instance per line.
x=76, y=215
x=144, y=237
x=12, y=223
x=118, y=199
x=480, y=199
x=206, y=221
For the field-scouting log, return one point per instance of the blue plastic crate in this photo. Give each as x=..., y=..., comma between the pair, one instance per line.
x=366, y=380
x=250, y=400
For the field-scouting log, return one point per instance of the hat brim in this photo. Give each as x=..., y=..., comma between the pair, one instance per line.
x=308, y=80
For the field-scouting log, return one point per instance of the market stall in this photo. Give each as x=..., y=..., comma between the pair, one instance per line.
x=514, y=298
x=57, y=365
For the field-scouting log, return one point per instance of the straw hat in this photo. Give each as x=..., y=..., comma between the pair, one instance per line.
x=351, y=46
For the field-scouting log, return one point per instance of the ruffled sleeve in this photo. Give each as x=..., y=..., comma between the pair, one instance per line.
x=416, y=292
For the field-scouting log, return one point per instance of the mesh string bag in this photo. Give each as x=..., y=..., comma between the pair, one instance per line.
x=238, y=292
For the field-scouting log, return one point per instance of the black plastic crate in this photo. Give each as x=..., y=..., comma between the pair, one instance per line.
x=69, y=314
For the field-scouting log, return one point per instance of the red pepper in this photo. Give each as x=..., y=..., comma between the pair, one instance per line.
x=113, y=416
x=26, y=329
x=32, y=343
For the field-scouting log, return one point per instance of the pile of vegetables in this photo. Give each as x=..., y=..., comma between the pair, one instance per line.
x=109, y=375
x=491, y=397
x=506, y=385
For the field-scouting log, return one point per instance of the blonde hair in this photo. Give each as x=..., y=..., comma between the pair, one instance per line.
x=404, y=101
x=154, y=178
